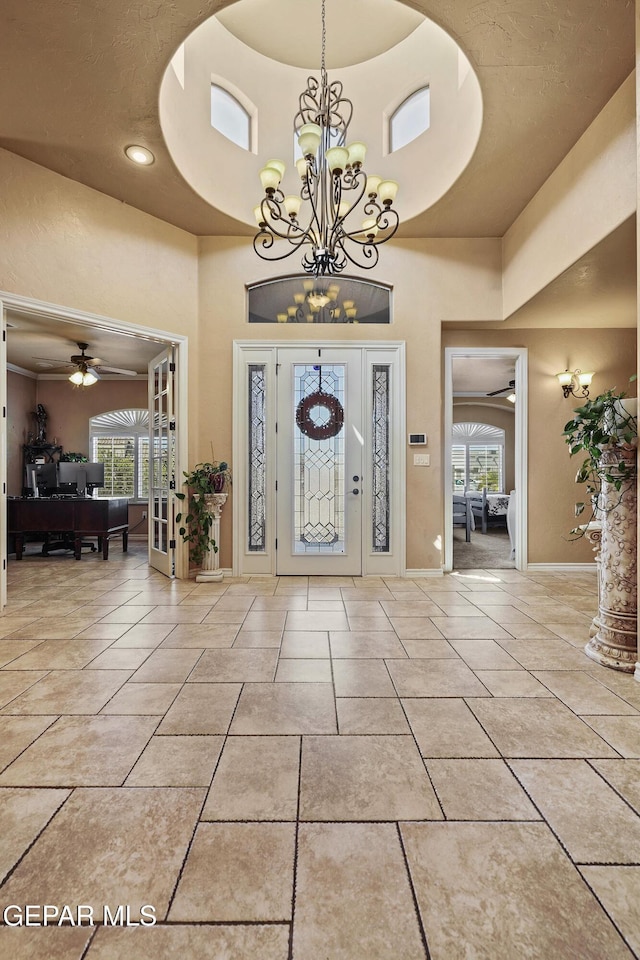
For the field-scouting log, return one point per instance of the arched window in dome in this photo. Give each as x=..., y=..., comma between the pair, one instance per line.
x=410, y=119
x=229, y=117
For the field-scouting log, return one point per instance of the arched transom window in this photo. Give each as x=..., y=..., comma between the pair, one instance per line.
x=477, y=452
x=120, y=440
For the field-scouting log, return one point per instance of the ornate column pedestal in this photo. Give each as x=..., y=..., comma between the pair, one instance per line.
x=614, y=632
x=210, y=572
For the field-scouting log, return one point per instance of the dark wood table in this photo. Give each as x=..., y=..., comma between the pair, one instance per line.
x=101, y=517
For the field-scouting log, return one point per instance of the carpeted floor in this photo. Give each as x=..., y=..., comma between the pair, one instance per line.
x=488, y=550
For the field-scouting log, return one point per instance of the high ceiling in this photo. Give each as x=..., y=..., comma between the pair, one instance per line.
x=80, y=80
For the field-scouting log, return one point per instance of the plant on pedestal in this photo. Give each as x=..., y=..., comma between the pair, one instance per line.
x=203, y=479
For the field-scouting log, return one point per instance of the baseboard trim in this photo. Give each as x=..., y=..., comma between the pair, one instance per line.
x=426, y=572
x=561, y=568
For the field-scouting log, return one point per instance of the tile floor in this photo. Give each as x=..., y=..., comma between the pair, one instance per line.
x=314, y=768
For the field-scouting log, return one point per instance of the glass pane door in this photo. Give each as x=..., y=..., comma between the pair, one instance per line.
x=319, y=462
x=162, y=463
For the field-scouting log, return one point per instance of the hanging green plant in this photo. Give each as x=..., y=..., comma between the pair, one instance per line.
x=204, y=479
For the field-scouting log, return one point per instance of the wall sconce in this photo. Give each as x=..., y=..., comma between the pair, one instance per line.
x=570, y=381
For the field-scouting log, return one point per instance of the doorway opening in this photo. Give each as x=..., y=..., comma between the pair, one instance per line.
x=485, y=475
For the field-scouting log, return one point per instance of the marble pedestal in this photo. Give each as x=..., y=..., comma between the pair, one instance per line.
x=210, y=572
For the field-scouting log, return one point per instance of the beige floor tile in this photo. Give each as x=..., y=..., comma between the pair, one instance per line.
x=131, y=613
x=367, y=592
x=512, y=683
x=325, y=606
x=545, y=654
x=419, y=608
x=623, y=733
x=23, y=814
x=122, y=659
x=624, y=776
x=202, y=708
x=304, y=671
x=484, y=655
x=267, y=620
x=44, y=943
x=104, y=631
x=46, y=629
x=415, y=628
x=365, y=778
x=537, y=728
x=332, y=921
x=256, y=779
x=434, y=678
x=469, y=628
x=201, y=942
x=352, y=645
x=362, y=678
x=110, y=846
x=618, y=890
x=369, y=624
x=285, y=708
x=140, y=699
x=60, y=655
x=11, y=624
x=176, y=762
x=15, y=682
x=230, y=602
x=363, y=715
x=176, y=614
x=314, y=621
x=235, y=666
x=304, y=644
x=365, y=608
x=529, y=631
x=11, y=650
x=82, y=751
x=167, y=666
x=624, y=685
x=202, y=635
x=533, y=903
x=577, y=803
x=69, y=692
x=237, y=872
x=505, y=614
x=447, y=728
x=225, y=616
x=144, y=635
x=17, y=733
x=279, y=603
x=479, y=790
x=257, y=639
x=582, y=693
x=429, y=650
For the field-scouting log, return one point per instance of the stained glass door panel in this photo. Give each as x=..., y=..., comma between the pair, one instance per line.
x=319, y=462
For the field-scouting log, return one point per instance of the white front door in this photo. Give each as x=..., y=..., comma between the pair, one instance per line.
x=162, y=462
x=320, y=439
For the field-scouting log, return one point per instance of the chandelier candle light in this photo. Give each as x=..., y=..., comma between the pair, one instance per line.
x=333, y=184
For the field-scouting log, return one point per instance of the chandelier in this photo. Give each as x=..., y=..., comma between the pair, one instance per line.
x=333, y=185
x=319, y=302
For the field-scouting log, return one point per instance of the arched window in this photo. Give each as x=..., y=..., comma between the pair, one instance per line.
x=477, y=453
x=120, y=440
x=410, y=119
x=229, y=117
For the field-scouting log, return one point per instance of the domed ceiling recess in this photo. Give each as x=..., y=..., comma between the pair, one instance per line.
x=262, y=55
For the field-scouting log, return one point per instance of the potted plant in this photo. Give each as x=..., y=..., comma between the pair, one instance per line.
x=606, y=430
x=203, y=508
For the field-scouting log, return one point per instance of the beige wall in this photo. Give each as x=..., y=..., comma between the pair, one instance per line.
x=589, y=194
x=552, y=490
x=468, y=410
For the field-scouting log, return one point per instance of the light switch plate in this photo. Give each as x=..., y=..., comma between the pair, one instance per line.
x=421, y=460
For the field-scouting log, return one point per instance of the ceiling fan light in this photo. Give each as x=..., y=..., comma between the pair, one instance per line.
x=89, y=378
x=77, y=378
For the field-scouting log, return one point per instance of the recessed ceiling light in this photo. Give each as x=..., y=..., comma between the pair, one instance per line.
x=139, y=154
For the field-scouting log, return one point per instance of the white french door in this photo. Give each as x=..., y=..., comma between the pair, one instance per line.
x=319, y=462
x=162, y=462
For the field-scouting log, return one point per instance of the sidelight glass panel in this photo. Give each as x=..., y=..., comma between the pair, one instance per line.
x=319, y=461
x=380, y=472
x=257, y=458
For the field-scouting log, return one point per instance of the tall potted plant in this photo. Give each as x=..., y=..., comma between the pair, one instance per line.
x=606, y=430
x=207, y=485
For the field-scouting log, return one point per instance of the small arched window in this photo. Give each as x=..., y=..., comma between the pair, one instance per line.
x=477, y=453
x=120, y=440
x=229, y=117
x=410, y=119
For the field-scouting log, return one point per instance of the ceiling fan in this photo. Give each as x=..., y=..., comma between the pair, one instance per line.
x=508, y=389
x=84, y=363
